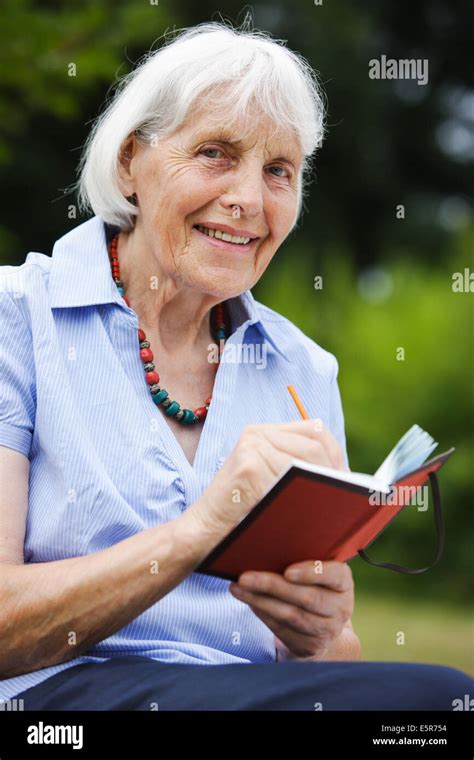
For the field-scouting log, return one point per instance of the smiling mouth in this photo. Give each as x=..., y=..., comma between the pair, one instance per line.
x=224, y=240
x=236, y=239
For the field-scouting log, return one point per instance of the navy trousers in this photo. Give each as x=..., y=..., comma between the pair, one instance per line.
x=140, y=683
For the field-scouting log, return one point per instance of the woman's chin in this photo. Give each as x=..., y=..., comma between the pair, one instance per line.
x=222, y=287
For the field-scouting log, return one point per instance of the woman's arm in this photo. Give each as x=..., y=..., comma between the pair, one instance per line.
x=53, y=611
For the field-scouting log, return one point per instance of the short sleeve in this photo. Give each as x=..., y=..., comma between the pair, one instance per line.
x=336, y=413
x=17, y=378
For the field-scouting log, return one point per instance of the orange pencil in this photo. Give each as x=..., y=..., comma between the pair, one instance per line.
x=298, y=403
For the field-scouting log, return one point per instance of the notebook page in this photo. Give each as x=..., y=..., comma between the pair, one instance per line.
x=410, y=452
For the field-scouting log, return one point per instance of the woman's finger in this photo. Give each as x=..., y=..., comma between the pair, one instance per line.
x=314, y=431
x=297, y=446
x=300, y=645
x=330, y=573
x=312, y=598
x=296, y=618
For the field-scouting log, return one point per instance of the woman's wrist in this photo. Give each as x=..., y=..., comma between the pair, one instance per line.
x=346, y=647
x=199, y=532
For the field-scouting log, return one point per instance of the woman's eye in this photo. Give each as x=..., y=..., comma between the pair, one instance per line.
x=215, y=150
x=282, y=168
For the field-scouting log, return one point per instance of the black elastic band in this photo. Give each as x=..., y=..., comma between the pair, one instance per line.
x=438, y=515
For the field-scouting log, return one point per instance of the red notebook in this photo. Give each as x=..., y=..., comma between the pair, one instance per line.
x=319, y=513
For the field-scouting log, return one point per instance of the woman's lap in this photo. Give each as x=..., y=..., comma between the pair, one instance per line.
x=140, y=683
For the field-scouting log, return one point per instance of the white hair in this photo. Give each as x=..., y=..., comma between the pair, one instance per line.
x=154, y=99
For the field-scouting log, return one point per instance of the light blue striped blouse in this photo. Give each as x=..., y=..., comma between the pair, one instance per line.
x=104, y=464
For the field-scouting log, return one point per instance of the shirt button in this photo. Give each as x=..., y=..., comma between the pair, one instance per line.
x=219, y=463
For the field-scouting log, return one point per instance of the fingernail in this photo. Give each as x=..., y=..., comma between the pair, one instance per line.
x=294, y=574
x=249, y=579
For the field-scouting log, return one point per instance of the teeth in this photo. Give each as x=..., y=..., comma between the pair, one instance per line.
x=223, y=235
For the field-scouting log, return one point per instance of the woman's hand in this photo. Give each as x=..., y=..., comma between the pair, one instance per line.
x=261, y=453
x=307, y=613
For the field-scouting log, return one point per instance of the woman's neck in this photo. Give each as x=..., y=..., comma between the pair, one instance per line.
x=177, y=315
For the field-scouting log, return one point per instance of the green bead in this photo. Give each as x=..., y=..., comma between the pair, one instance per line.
x=172, y=409
x=188, y=417
x=159, y=397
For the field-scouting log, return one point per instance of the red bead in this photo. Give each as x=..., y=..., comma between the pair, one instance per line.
x=126, y=300
x=200, y=412
x=146, y=354
x=141, y=334
x=152, y=377
x=208, y=401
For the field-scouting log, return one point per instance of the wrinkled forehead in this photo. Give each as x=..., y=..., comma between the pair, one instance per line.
x=209, y=119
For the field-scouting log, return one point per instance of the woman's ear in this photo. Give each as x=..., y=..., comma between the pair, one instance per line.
x=127, y=152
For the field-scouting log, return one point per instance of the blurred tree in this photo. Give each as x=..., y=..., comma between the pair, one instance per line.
x=59, y=61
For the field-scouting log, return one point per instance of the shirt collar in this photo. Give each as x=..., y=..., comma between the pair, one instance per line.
x=80, y=276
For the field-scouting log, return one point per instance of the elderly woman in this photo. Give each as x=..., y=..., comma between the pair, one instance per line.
x=127, y=454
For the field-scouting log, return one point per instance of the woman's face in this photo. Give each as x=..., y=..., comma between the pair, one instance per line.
x=196, y=177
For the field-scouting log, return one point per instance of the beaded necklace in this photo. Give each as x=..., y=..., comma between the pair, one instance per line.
x=159, y=395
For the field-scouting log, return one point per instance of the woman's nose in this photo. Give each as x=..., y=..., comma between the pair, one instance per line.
x=246, y=192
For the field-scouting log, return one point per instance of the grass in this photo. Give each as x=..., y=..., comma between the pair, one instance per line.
x=432, y=633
